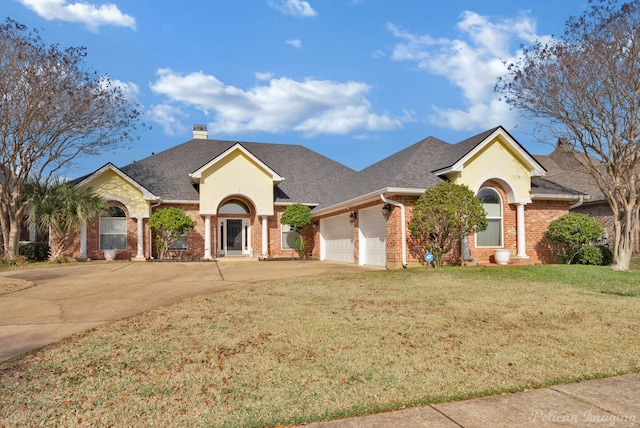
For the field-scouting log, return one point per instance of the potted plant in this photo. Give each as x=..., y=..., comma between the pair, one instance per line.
x=502, y=256
x=110, y=254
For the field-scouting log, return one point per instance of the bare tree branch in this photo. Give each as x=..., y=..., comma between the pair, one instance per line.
x=52, y=111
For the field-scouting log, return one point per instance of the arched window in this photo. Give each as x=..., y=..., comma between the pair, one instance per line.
x=234, y=206
x=492, y=203
x=113, y=230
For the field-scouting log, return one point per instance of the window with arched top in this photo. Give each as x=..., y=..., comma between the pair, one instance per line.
x=113, y=229
x=234, y=206
x=492, y=204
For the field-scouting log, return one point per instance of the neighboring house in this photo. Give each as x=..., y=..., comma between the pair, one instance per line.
x=564, y=168
x=237, y=191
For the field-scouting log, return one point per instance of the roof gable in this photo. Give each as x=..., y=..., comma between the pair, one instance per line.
x=197, y=174
x=87, y=180
x=465, y=150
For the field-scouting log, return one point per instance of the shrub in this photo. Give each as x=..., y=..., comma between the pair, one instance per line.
x=572, y=231
x=443, y=215
x=297, y=216
x=169, y=224
x=607, y=255
x=35, y=251
x=594, y=255
x=588, y=255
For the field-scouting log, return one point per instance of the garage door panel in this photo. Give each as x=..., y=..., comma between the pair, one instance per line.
x=337, y=238
x=373, y=237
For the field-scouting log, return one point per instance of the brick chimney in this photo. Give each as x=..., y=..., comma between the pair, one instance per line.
x=200, y=132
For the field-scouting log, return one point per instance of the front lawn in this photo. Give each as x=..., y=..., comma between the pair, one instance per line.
x=326, y=347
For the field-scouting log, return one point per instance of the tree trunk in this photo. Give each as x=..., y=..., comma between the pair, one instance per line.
x=624, y=226
x=11, y=250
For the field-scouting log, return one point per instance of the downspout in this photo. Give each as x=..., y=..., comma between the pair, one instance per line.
x=151, y=207
x=403, y=230
x=577, y=204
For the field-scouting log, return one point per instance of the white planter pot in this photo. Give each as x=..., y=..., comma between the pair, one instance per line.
x=502, y=256
x=109, y=254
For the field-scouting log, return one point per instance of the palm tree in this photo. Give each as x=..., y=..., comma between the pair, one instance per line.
x=61, y=208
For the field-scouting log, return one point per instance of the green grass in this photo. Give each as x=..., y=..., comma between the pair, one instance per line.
x=327, y=347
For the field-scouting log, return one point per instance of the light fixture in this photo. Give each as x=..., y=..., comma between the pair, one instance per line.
x=386, y=209
x=315, y=224
x=352, y=217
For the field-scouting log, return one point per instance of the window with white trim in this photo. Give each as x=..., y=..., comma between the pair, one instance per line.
x=288, y=237
x=180, y=244
x=492, y=204
x=113, y=230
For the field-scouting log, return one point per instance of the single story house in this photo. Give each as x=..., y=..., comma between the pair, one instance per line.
x=237, y=191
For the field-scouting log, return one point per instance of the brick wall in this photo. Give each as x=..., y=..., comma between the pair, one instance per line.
x=603, y=214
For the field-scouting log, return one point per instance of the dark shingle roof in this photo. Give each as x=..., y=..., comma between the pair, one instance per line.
x=459, y=150
x=166, y=174
x=315, y=179
x=542, y=186
x=563, y=168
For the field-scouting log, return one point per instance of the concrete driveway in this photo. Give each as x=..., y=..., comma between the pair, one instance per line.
x=75, y=298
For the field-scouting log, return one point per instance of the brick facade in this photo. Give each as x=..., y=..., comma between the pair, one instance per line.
x=538, y=215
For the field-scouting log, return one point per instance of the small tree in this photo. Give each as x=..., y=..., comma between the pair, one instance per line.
x=443, y=215
x=571, y=232
x=297, y=217
x=60, y=208
x=169, y=223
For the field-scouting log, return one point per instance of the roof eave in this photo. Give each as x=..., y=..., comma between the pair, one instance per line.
x=371, y=196
x=559, y=197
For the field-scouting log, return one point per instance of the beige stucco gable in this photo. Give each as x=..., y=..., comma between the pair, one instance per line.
x=236, y=173
x=502, y=159
x=111, y=184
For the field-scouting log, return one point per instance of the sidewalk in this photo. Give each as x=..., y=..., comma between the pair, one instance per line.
x=611, y=402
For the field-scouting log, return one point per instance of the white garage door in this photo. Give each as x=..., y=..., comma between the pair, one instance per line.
x=373, y=237
x=337, y=239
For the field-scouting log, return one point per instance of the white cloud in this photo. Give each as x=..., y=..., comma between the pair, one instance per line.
x=296, y=43
x=169, y=117
x=282, y=104
x=129, y=89
x=90, y=15
x=472, y=63
x=297, y=8
x=263, y=76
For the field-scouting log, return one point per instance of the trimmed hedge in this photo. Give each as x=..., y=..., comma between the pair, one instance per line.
x=35, y=251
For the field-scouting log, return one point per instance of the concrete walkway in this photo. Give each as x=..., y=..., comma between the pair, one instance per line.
x=611, y=402
x=72, y=299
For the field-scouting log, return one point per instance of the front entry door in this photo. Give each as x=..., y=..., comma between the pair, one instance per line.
x=234, y=236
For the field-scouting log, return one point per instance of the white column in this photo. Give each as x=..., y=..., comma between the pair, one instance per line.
x=522, y=243
x=140, y=246
x=265, y=237
x=207, y=237
x=83, y=240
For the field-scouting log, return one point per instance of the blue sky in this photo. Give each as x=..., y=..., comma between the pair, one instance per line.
x=355, y=80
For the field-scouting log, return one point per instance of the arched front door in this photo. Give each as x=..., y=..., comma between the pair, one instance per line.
x=234, y=228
